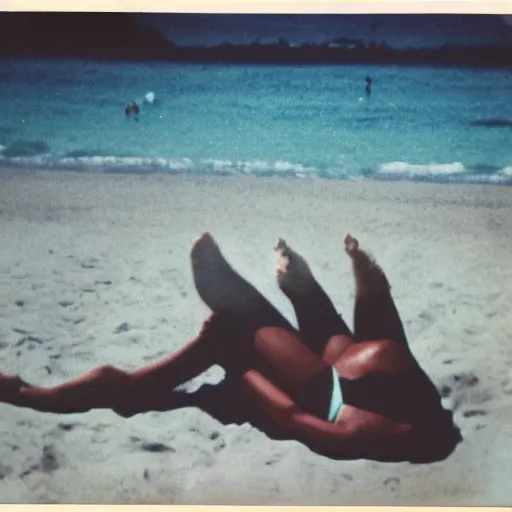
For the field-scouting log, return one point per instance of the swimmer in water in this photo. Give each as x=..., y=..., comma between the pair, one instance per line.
x=132, y=110
x=368, y=87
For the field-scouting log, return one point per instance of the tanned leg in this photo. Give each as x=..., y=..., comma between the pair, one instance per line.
x=108, y=387
x=274, y=346
x=320, y=325
x=375, y=314
x=247, y=333
x=226, y=292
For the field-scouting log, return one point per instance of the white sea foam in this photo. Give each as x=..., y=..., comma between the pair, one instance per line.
x=449, y=172
x=412, y=170
x=254, y=167
x=289, y=167
x=218, y=166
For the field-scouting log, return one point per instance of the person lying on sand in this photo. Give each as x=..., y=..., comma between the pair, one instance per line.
x=349, y=395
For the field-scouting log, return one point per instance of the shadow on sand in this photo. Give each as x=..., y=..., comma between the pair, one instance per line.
x=227, y=403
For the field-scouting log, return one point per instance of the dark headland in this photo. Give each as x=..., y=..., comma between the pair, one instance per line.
x=121, y=37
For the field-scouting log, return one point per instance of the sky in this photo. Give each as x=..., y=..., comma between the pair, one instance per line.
x=416, y=30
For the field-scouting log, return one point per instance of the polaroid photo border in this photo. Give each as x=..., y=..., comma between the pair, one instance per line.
x=502, y=7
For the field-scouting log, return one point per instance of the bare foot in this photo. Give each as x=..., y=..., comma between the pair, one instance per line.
x=222, y=289
x=293, y=273
x=370, y=278
x=316, y=315
x=9, y=387
x=216, y=281
x=351, y=245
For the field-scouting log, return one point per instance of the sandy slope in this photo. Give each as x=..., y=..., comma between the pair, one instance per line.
x=95, y=269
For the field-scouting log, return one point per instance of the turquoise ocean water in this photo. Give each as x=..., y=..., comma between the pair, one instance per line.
x=420, y=123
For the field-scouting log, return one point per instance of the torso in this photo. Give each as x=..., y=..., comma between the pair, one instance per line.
x=381, y=379
x=391, y=398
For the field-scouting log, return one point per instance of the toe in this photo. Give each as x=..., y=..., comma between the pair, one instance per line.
x=281, y=246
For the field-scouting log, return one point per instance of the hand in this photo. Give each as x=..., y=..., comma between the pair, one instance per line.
x=10, y=386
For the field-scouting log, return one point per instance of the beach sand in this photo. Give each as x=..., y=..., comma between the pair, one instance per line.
x=95, y=269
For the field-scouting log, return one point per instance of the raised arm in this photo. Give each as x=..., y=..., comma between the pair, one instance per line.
x=295, y=422
x=275, y=402
x=367, y=435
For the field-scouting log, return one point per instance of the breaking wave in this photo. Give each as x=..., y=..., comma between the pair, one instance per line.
x=435, y=172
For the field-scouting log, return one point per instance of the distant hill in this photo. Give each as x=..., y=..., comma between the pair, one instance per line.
x=398, y=30
x=79, y=35
x=140, y=37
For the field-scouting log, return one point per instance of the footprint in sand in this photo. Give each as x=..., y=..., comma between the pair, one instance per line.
x=74, y=319
x=214, y=435
x=19, y=330
x=101, y=427
x=457, y=382
x=30, y=341
x=20, y=276
x=204, y=460
x=464, y=390
x=507, y=385
x=155, y=447
x=334, y=483
x=48, y=462
x=67, y=427
x=4, y=471
x=392, y=483
x=101, y=433
x=89, y=263
x=470, y=413
x=124, y=327
x=220, y=443
x=105, y=282
x=427, y=319
x=151, y=446
x=274, y=459
x=473, y=331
